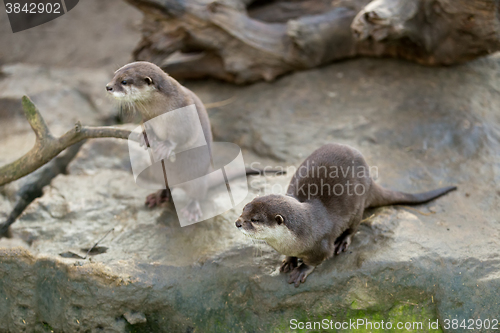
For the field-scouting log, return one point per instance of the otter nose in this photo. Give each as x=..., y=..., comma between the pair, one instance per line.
x=109, y=88
x=238, y=223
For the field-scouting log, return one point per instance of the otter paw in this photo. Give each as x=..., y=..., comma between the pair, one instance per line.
x=299, y=274
x=192, y=212
x=162, y=149
x=342, y=245
x=288, y=264
x=157, y=198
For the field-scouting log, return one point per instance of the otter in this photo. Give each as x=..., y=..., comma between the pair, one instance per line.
x=146, y=88
x=152, y=92
x=321, y=210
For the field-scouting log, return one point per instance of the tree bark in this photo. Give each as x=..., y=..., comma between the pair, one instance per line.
x=243, y=41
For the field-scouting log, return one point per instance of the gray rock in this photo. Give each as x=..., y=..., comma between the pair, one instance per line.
x=422, y=128
x=135, y=318
x=63, y=96
x=82, y=39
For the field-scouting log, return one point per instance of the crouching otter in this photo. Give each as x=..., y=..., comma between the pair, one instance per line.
x=322, y=209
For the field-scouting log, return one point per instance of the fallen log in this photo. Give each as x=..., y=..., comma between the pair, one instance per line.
x=243, y=41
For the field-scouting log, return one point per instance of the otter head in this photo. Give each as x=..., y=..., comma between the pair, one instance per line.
x=136, y=82
x=265, y=218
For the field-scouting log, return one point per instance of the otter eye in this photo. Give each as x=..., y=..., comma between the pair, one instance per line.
x=124, y=82
x=254, y=220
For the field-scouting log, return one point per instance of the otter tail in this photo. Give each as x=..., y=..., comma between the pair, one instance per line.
x=384, y=197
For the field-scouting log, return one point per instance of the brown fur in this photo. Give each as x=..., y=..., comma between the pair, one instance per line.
x=166, y=95
x=315, y=226
x=148, y=89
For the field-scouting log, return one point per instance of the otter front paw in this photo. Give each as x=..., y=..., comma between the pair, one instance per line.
x=299, y=274
x=288, y=264
x=342, y=244
x=163, y=149
x=157, y=198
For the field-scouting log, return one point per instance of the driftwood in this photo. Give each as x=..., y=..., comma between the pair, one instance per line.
x=47, y=146
x=243, y=40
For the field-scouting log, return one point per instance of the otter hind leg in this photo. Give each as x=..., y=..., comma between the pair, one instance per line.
x=158, y=198
x=289, y=264
x=299, y=274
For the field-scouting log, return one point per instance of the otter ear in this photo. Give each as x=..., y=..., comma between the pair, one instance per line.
x=279, y=219
x=148, y=80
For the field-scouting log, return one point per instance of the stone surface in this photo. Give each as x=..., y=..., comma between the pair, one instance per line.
x=94, y=34
x=421, y=127
x=63, y=96
x=134, y=318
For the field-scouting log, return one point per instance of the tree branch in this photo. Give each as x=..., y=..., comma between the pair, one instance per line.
x=36, y=120
x=47, y=147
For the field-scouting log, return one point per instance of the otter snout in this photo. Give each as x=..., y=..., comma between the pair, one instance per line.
x=109, y=88
x=238, y=223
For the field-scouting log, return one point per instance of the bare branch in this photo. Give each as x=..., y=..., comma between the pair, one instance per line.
x=36, y=120
x=47, y=147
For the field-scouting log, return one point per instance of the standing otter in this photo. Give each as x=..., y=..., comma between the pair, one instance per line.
x=149, y=90
x=322, y=209
x=152, y=92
